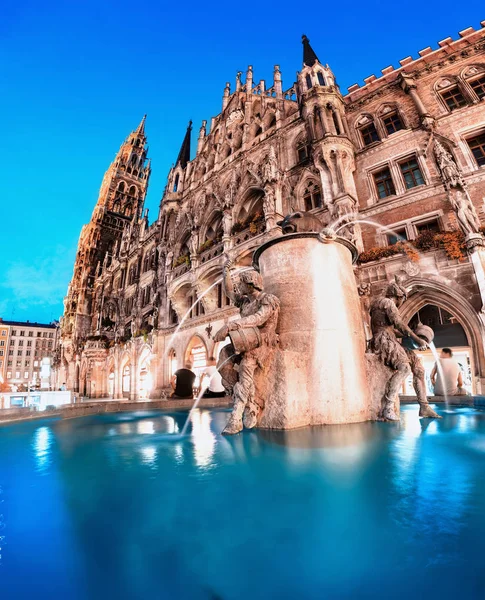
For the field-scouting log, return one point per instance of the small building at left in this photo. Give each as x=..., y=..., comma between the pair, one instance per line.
x=27, y=353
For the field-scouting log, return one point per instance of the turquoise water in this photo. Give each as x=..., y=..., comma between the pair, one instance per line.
x=107, y=507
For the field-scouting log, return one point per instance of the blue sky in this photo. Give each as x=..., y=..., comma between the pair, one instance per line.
x=76, y=78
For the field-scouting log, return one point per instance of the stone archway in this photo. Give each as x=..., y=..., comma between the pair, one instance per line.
x=83, y=383
x=423, y=292
x=145, y=380
x=197, y=354
x=126, y=380
x=77, y=382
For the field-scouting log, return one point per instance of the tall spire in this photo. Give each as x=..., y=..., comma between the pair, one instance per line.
x=184, y=154
x=309, y=56
x=141, y=126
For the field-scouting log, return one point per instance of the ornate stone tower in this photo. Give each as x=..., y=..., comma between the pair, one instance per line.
x=323, y=109
x=120, y=203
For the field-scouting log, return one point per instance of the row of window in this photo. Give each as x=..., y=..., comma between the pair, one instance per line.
x=17, y=375
x=31, y=333
x=19, y=353
x=18, y=363
x=43, y=343
x=391, y=123
x=400, y=234
x=454, y=97
x=411, y=174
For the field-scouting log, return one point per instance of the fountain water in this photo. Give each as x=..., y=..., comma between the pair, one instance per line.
x=199, y=397
x=439, y=368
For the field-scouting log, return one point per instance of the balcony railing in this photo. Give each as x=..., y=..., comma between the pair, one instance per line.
x=212, y=252
x=180, y=270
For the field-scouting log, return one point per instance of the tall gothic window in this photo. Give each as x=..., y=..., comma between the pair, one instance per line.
x=312, y=196
x=321, y=79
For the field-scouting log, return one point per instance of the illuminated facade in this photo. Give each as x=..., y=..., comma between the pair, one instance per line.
x=405, y=151
x=26, y=345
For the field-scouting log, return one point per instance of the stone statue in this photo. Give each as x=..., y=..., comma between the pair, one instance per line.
x=465, y=211
x=270, y=167
x=386, y=326
x=299, y=222
x=253, y=338
x=227, y=221
x=194, y=241
x=450, y=171
x=457, y=192
x=169, y=260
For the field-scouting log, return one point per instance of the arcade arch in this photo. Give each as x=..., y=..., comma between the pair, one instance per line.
x=442, y=308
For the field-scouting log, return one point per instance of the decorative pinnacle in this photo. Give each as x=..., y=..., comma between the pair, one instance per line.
x=141, y=126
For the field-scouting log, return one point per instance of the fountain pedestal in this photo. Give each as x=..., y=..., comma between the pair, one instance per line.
x=318, y=373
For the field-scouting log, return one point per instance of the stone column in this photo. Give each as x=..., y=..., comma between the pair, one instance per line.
x=409, y=87
x=319, y=369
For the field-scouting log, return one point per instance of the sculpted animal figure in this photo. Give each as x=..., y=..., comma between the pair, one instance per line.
x=301, y=222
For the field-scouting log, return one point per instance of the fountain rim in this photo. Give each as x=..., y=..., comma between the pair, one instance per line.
x=308, y=235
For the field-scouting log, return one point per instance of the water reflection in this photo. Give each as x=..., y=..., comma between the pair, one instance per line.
x=342, y=447
x=428, y=472
x=145, y=427
x=42, y=447
x=149, y=455
x=203, y=439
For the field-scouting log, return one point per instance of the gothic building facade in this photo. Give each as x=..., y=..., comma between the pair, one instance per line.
x=396, y=165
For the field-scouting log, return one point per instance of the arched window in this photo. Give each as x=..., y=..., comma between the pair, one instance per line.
x=391, y=119
x=475, y=77
x=214, y=230
x=132, y=191
x=367, y=130
x=121, y=187
x=270, y=120
x=321, y=79
x=153, y=258
x=309, y=83
x=132, y=275
x=176, y=183
x=312, y=196
x=126, y=379
x=302, y=150
x=335, y=121
x=257, y=130
x=146, y=262
x=450, y=90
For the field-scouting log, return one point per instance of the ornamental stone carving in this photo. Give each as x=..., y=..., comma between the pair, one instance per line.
x=253, y=340
x=401, y=359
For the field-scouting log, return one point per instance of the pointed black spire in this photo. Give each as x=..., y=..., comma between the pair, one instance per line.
x=184, y=154
x=309, y=56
